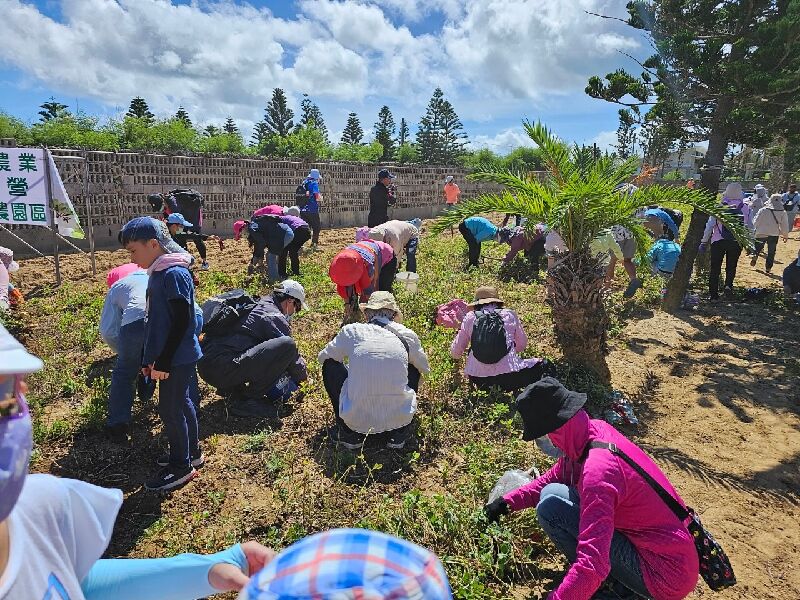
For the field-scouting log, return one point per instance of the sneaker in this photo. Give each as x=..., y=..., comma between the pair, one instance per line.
x=727, y=292
x=204, y=266
x=398, y=438
x=118, y=434
x=345, y=438
x=633, y=286
x=170, y=477
x=252, y=407
x=197, y=461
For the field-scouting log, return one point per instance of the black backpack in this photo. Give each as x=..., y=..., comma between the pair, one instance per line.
x=156, y=202
x=301, y=195
x=225, y=311
x=488, y=341
x=188, y=202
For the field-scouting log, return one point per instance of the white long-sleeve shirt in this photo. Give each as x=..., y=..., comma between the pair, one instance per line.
x=375, y=396
x=124, y=304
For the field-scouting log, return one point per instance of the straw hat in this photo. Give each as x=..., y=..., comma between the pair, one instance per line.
x=381, y=300
x=486, y=294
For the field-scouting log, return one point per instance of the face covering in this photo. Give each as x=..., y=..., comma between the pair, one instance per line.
x=16, y=443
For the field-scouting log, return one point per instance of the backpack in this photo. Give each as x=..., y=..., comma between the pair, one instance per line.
x=188, y=202
x=488, y=341
x=726, y=233
x=222, y=312
x=301, y=195
x=790, y=202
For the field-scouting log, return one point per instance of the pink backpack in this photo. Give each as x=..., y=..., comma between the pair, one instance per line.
x=451, y=313
x=362, y=233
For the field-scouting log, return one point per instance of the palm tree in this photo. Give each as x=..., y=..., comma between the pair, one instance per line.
x=580, y=199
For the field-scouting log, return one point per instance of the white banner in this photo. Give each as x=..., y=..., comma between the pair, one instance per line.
x=23, y=192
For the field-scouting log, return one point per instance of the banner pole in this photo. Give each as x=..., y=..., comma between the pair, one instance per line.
x=89, y=222
x=49, y=192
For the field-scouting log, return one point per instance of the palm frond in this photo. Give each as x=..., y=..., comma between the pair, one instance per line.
x=556, y=154
x=535, y=207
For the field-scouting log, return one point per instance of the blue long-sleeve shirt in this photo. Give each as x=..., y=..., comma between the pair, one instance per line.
x=124, y=304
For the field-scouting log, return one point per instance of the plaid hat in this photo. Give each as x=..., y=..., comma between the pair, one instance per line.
x=142, y=229
x=345, y=564
x=545, y=406
x=178, y=219
x=7, y=258
x=383, y=173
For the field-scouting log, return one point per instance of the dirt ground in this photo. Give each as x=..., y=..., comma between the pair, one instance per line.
x=715, y=389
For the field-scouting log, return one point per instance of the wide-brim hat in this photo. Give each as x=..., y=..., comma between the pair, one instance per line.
x=237, y=229
x=545, y=406
x=381, y=300
x=486, y=294
x=14, y=359
x=733, y=191
x=346, y=268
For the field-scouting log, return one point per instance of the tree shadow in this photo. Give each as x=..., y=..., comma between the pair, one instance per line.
x=100, y=369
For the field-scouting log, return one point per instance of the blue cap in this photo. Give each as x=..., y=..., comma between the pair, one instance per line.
x=383, y=173
x=178, y=219
x=141, y=229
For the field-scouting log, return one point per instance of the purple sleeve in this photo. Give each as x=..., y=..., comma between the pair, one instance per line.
x=528, y=495
x=517, y=242
x=459, y=345
x=602, y=488
x=520, y=339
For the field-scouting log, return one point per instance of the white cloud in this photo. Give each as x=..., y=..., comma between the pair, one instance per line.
x=493, y=58
x=502, y=142
x=605, y=140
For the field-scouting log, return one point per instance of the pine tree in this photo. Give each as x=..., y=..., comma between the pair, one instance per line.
x=352, y=134
x=402, y=137
x=212, y=130
x=139, y=109
x=183, y=117
x=452, y=137
x=230, y=126
x=440, y=136
x=384, y=132
x=260, y=134
x=52, y=110
x=311, y=115
x=626, y=133
x=278, y=117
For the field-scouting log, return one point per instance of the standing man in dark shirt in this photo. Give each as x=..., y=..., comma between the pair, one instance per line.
x=381, y=197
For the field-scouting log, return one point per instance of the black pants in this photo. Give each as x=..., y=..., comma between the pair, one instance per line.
x=772, y=246
x=301, y=236
x=259, y=244
x=258, y=367
x=535, y=254
x=730, y=250
x=198, y=243
x=386, y=278
x=516, y=380
x=473, y=244
x=334, y=375
x=312, y=218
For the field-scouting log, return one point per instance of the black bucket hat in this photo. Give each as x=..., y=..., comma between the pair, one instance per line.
x=545, y=406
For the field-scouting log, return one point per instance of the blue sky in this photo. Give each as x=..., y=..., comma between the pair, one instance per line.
x=497, y=61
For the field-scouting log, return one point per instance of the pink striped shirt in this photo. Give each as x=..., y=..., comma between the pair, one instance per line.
x=511, y=362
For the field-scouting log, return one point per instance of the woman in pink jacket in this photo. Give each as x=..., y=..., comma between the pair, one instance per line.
x=620, y=537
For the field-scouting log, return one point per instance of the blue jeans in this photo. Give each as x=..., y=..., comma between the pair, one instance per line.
x=411, y=255
x=558, y=512
x=272, y=267
x=125, y=378
x=176, y=409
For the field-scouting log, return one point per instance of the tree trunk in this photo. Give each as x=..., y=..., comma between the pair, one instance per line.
x=777, y=166
x=717, y=145
x=575, y=293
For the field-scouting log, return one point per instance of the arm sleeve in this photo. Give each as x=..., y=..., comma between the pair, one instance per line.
x=416, y=355
x=182, y=317
x=182, y=577
x=298, y=370
x=527, y=496
x=709, y=228
x=595, y=529
x=111, y=320
x=784, y=223
x=516, y=246
x=460, y=343
x=337, y=349
x=520, y=338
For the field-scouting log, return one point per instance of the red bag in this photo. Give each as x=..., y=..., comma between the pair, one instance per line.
x=451, y=313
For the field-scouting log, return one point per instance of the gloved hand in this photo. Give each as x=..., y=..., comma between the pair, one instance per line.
x=702, y=248
x=493, y=510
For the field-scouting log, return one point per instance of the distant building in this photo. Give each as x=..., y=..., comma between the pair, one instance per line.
x=686, y=163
